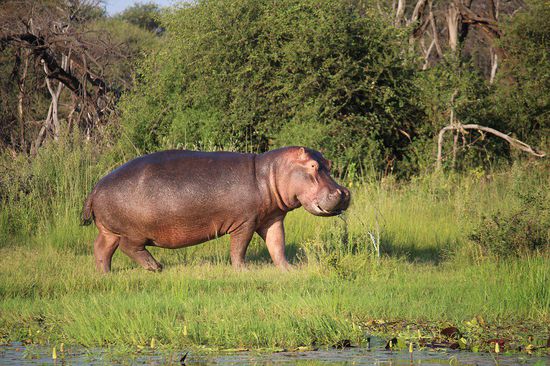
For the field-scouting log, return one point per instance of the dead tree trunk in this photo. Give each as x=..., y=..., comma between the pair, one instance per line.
x=427, y=55
x=42, y=133
x=434, y=31
x=493, y=13
x=54, y=93
x=417, y=12
x=51, y=123
x=453, y=20
x=400, y=12
x=452, y=122
x=494, y=66
x=455, y=148
x=25, y=54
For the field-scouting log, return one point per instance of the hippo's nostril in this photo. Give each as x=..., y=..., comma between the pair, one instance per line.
x=343, y=193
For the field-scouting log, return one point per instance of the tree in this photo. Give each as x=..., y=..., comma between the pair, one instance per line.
x=468, y=27
x=521, y=98
x=62, y=57
x=145, y=16
x=251, y=75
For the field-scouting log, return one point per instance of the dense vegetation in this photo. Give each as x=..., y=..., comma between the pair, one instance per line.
x=249, y=75
x=353, y=79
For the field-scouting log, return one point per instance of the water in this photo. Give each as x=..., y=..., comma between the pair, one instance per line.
x=18, y=354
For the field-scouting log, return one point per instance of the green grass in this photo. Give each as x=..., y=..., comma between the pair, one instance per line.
x=429, y=275
x=55, y=296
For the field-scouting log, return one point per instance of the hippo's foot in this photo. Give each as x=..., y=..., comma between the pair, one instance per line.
x=285, y=266
x=135, y=249
x=154, y=267
x=240, y=266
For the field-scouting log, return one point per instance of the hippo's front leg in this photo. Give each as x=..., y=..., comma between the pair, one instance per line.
x=239, y=243
x=274, y=235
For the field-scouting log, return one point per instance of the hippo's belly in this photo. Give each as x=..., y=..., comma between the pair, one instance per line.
x=187, y=233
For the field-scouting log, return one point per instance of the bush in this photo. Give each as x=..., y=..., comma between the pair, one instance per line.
x=521, y=231
x=521, y=99
x=453, y=84
x=253, y=75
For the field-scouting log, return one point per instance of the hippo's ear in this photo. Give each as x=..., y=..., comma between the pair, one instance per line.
x=302, y=154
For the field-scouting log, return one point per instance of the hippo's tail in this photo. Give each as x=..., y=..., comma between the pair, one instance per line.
x=87, y=213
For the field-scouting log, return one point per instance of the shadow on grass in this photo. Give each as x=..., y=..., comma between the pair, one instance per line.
x=216, y=252
x=413, y=253
x=260, y=254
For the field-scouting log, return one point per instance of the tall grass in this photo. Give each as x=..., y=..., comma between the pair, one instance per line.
x=428, y=270
x=42, y=196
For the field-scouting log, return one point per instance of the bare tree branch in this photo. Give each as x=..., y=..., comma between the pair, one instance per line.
x=41, y=50
x=462, y=129
x=469, y=16
x=419, y=7
x=400, y=12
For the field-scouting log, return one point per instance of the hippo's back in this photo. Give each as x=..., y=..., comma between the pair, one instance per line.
x=179, y=165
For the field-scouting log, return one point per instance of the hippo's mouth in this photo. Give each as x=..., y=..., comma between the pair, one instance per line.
x=326, y=212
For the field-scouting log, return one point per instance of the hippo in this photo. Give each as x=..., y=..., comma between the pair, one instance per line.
x=178, y=198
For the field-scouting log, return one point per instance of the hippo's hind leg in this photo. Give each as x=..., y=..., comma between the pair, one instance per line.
x=104, y=247
x=135, y=249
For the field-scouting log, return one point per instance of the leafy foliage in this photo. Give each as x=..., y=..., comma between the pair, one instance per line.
x=456, y=85
x=251, y=75
x=523, y=230
x=145, y=16
x=522, y=101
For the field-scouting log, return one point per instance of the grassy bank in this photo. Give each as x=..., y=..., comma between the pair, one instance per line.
x=53, y=296
x=430, y=275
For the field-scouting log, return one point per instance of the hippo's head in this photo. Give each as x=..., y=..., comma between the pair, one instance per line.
x=310, y=183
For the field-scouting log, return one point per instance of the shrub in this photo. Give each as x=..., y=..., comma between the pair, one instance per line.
x=522, y=230
x=253, y=75
x=521, y=100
